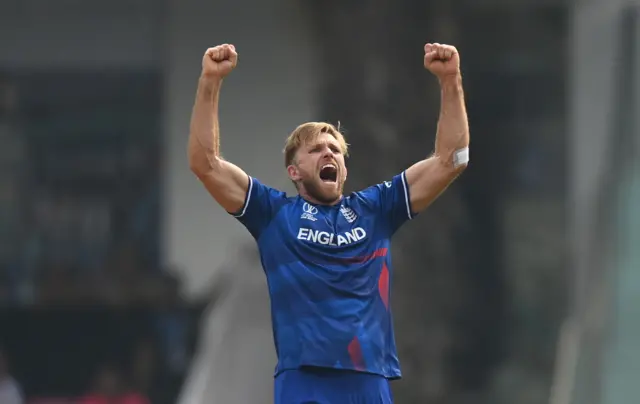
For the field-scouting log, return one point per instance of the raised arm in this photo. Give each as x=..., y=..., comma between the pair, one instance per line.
x=428, y=178
x=226, y=182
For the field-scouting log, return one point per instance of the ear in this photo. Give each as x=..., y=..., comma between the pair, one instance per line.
x=345, y=174
x=293, y=172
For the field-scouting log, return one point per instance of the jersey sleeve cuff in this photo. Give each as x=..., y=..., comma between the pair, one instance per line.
x=247, y=199
x=407, y=195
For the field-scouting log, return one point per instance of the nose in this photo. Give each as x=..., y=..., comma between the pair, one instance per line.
x=328, y=153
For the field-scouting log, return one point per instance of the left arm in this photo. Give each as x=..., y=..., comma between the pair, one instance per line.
x=428, y=178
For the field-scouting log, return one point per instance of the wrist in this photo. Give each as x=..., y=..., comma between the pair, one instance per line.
x=209, y=86
x=210, y=82
x=451, y=82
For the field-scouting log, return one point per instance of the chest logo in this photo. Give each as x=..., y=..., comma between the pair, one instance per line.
x=309, y=212
x=349, y=215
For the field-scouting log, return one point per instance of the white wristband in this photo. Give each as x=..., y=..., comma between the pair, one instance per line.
x=460, y=157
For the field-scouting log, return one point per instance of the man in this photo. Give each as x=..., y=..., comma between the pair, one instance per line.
x=326, y=255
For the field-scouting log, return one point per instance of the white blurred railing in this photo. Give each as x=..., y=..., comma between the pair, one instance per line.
x=604, y=105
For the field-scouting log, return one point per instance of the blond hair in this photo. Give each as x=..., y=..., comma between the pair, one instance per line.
x=308, y=132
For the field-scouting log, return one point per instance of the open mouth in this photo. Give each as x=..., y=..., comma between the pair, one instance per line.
x=329, y=173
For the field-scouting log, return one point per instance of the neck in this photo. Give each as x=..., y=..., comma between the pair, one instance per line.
x=304, y=195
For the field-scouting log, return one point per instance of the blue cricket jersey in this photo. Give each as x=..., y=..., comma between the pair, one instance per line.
x=328, y=270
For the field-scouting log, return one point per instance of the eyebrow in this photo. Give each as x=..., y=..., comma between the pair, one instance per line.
x=330, y=143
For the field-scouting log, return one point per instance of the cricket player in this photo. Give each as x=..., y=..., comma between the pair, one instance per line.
x=327, y=255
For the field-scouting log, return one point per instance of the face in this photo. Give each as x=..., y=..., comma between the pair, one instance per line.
x=319, y=170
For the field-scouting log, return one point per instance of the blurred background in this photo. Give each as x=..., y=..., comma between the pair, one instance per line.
x=122, y=280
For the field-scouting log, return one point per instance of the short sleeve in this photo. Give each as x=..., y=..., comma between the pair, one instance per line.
x=391, y=201
x=260, y=206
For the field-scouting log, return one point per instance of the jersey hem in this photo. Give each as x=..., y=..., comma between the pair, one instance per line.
x=390, y=376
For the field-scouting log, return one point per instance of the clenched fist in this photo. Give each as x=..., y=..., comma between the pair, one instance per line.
x=218, y=61
x=441, y=60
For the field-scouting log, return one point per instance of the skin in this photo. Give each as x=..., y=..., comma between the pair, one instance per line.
x=308, y=162
x=426, y=179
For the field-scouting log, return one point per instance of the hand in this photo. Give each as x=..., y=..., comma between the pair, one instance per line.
x=441, y=60
x=218, y=61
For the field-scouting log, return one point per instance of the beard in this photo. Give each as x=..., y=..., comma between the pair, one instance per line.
x=315, y=188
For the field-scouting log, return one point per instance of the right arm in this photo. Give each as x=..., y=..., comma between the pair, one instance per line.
x=226, y=182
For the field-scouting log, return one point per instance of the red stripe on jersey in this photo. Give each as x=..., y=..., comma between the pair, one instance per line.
x=355, y=352
x=379, y=253
x=383, y=285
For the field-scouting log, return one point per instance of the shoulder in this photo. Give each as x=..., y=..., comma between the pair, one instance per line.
x=291, y=202
x=256, y=185
x=264, y=192
x=368, y=197
x=283, y=204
